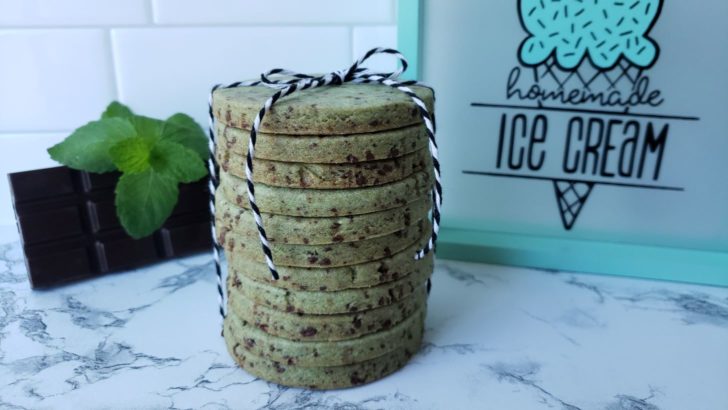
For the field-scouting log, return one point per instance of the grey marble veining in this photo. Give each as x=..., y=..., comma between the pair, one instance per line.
x=497, y=338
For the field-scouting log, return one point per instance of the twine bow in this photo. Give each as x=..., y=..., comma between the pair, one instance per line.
x=290, y=82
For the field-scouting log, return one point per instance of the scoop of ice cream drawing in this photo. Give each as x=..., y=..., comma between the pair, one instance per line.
x=604, y=31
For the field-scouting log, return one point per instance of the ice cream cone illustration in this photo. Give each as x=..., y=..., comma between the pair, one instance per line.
x=622, y=77
x=571, y=197
x=596, y=47
x=596, y=44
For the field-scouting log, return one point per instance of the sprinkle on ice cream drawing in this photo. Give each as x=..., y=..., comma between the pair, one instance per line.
x=580, y=108
x=602, y=31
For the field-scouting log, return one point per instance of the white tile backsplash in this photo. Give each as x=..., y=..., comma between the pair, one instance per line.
x=273, y=11
x=53, y=79
x=22, y=152
x=26, y=13
x=163, y=71
x=63, y=61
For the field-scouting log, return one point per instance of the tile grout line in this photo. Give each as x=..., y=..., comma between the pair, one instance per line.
x=350, y=32
x=12, y=134
x=195, y=25
x=114, y=64
x=152, y=12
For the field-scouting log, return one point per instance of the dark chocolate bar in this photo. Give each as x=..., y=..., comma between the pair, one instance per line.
x=69, y=229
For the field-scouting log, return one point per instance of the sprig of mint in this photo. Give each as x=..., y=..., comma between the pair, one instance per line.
x=154, y=157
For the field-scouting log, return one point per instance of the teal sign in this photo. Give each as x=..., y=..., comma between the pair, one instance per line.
x=583, y=135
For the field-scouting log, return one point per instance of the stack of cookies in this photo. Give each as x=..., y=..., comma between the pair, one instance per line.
x=342, y=178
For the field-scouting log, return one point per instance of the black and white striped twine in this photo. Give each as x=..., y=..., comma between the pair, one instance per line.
x=354, y=74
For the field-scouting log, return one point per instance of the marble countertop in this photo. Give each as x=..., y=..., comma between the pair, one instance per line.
x=497, y=338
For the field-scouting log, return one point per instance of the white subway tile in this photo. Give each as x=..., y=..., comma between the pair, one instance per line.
x=53, y=79
x=22, y=152
x=366, y=38
x=166, y=70
x=73, y=12
x=273, y=11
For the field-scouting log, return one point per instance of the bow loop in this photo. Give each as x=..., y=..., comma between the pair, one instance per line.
x=279, y=78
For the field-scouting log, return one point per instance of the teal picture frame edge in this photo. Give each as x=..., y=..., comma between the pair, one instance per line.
x=641, y=261
x=408, y=35
x=630, y=260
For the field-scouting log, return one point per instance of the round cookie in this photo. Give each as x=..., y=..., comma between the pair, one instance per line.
x=326, y=377
x=335, y=254
x=324, y=149
x=325, y=302
x=326, y=202
x=326, y=176
x=340, y=326
x=318, y=231
x=340, y=110
x=333, y=279
x=318, y=354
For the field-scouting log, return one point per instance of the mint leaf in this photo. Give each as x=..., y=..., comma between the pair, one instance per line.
x=177, y=161
x=147, y=191
x=87, y=148
x=144, y=201
x=131, y=154
x=182, y=129
x=153, y=155
x=117, y=110
x=148, y=128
